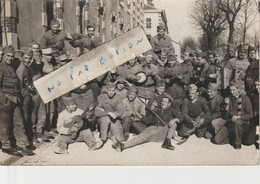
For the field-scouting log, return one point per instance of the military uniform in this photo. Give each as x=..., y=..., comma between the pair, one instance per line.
x=158, y=43
x=54, y=41
x=191, y=111
x=11, y=121
x=26, y=81
x=105, y=105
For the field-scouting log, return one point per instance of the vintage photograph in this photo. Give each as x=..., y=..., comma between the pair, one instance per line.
x=129, y=82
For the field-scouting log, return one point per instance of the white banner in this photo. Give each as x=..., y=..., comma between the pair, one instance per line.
x=92, y=64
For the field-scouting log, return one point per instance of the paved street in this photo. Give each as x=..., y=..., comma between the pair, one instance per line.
x=194, y=152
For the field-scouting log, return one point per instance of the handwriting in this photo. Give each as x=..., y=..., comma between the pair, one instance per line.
x=102, y=61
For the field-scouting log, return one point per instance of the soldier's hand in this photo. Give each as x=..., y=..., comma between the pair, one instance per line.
x=112, y=115
x=75, y=128
x=137, y=78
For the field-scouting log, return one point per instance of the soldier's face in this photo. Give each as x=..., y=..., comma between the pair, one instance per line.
x=91, y=31
x=171, y=63
x=212, y=93
x=242, y=54
x=163, y=56
x=120, y=86
x=55, y=28
x=193, y=94
x=160, y=90
x=185, y=56
x=165, y=103
x=252, y=54
x=131, y=97
x=71, y=108
x=26, y=60
x=234, y=91
x=132, y=62
x=211, y=58
x=153, y=106
x=148, y=59
x=35, y=48
x=160, y=32
x=9, y=57
x=111, y=92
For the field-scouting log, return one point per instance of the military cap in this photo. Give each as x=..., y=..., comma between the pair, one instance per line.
x=160, y=83
x=161, y=27
x=110, y=85
x=91, y=25
x=213, y=86
x=47, y=51
x=28, y=53
x=131, y=90
x=241, y=48
x=166, y=95
x=68, y=100
x=251, y=48
x=192, y=87
x=8, y=49
x=55, y=22
x=236, y=84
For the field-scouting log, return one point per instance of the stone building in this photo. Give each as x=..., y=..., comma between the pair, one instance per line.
x=24, y=21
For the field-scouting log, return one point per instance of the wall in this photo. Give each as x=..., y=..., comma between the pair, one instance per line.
x=29, y=22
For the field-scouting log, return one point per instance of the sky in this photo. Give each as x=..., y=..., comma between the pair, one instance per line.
x=177, y=12
x=179, y=23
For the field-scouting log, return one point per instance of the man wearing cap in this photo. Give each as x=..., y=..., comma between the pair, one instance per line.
x=188, y=69
x=161, y=40
x=252, y=73
x=72, y=113
x=109, y=112
x=37, y=69
x=146, y=90
x=239, y=112
x=239, y=66
x=212, y=74
x=54, y=39
x=131, y=68
x=134, y=111
x=11, y=122
x=25, y=78
x=195, y=112
x=163, y=129
x=121, y=85
x=85, y=42
x=159, y=93
x=216, y=104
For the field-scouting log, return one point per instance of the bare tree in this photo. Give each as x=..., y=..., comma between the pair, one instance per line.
x=188, y=42
x=209, y=18
x=246, y=17
x=231, y=9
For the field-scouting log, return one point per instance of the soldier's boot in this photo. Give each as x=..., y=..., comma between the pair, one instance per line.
x=12, y=151
x=167, y=144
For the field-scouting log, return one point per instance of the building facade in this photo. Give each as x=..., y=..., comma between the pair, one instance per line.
x=25, y=21
x=153, y=17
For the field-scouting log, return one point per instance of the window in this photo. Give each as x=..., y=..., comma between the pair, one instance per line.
x=148, y=23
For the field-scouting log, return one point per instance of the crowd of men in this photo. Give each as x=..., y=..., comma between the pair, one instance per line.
x=155, y=96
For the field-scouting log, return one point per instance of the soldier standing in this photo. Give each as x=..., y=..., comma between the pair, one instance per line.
x=12, y=130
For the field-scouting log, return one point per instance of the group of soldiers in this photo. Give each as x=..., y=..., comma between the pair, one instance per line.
x=155, y=97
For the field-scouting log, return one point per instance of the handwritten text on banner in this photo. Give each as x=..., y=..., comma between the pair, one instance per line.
x=92, y=64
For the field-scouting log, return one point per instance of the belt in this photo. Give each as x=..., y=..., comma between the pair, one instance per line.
x=11, y=87
x=148, y=85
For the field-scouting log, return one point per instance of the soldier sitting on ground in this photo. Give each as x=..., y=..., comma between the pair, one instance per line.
x=195, y=112
x=162, y=131
x=66, y=133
